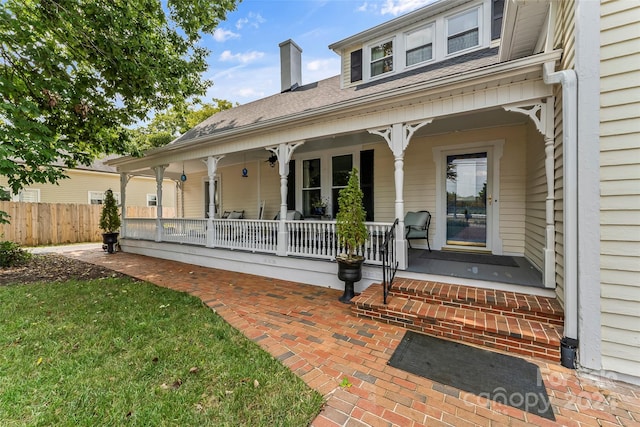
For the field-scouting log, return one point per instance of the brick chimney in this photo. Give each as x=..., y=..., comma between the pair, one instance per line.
x=290, y=66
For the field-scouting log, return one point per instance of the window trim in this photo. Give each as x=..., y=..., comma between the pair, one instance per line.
x=480, y=28
x=116, y=195
x=326, y=186
x=20, y=196
x=155, y=199
x=434, y=38
x=394, y=57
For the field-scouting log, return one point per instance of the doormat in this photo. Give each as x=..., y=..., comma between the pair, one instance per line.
x=469, y=258
x=506, y=379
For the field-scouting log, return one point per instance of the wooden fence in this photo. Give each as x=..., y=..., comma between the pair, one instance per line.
x=40, y=224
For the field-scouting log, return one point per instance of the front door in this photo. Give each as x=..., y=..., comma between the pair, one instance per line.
x=466, y=190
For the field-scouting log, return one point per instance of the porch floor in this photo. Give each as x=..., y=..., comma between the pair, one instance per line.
x=523, y=273
x=318, y=338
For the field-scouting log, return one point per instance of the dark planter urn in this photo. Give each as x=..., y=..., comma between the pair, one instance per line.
x=349, y=271
x=319, y=211
x=110, y=240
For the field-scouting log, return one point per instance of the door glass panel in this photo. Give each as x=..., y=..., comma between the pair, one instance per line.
x=467, y=199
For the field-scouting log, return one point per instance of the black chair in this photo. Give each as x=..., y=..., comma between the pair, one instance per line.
x=416, y=225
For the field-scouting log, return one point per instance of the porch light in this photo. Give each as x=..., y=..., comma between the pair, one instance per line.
x=245, y=172
x=272, y=160
x=183, y=177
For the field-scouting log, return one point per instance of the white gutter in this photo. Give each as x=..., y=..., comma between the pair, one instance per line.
x=569, y=82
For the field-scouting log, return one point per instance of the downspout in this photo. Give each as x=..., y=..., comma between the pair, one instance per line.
x=569, y=82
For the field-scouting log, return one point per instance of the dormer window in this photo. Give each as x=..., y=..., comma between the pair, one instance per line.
x=419, y=46
x=381, y=58
x=463, y=31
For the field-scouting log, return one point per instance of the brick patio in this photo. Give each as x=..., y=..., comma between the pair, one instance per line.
x=323, y=342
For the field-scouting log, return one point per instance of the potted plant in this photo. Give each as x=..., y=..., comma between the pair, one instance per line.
x=319, y=206
x=352, y=234
x=110, y=221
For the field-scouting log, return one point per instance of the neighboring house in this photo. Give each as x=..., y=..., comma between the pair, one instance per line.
x=515, y=123
x=87, y=185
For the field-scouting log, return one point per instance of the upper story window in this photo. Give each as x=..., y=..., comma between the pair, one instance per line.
x=381, y=58
x=419, y=45
x=435, y=38
x=463, y=31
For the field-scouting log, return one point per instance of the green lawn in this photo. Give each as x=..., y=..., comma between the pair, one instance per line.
x=120, y=352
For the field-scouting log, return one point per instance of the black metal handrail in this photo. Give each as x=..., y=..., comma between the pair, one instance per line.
x=389, y=260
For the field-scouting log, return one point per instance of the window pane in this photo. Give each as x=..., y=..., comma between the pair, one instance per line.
x=311, y=173
x=462, y=23
x=420, y=54
x=382, y=66
x=419, y=38
x=382, y=50
x=382, y=58
x=341, y=167
x=308, y=197
x=462, y=41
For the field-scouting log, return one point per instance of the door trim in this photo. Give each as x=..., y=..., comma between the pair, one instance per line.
x=494, y=150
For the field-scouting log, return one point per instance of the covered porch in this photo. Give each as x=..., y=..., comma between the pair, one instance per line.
x=478, y=153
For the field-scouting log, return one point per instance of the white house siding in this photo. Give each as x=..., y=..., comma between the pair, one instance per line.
x=565, y=40
x=534, y=241
x=620, y=186
x=346, y=66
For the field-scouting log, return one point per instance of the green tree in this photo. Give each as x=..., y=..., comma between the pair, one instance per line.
x=75, y=73
x=350, y=226
x=176, y=120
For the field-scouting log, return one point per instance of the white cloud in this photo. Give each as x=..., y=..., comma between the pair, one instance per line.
x=320, y=64
x=221, y=35
x=243, y=58
x=244, y=84
x=398, y=7
x=320, y=69
x=366, y=7
x=253, y=20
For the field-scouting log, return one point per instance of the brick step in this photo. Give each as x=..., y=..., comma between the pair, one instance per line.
x=512, y=304
x=489, y=330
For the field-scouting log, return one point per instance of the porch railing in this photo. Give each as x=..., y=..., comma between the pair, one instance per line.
x=389, y=260
x=139, y=228
x=246, y=234
x=308, y=238
x=192, y=231
x=318, y=239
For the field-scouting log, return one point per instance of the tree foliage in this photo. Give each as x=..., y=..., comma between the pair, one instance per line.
x=350, y=226
x=75, y=73
x=109, y=217
x=176, y=120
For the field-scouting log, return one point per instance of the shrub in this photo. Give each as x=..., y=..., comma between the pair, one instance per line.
x=11, y=254
x=109, y=218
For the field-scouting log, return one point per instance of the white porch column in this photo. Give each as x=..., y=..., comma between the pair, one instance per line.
x=283, y=152
x=159, y=170
x=124, y=180
x=398, y=137
x=542, y=116
x=212, y=166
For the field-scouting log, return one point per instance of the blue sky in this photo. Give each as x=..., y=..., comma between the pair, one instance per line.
x=244, y=63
